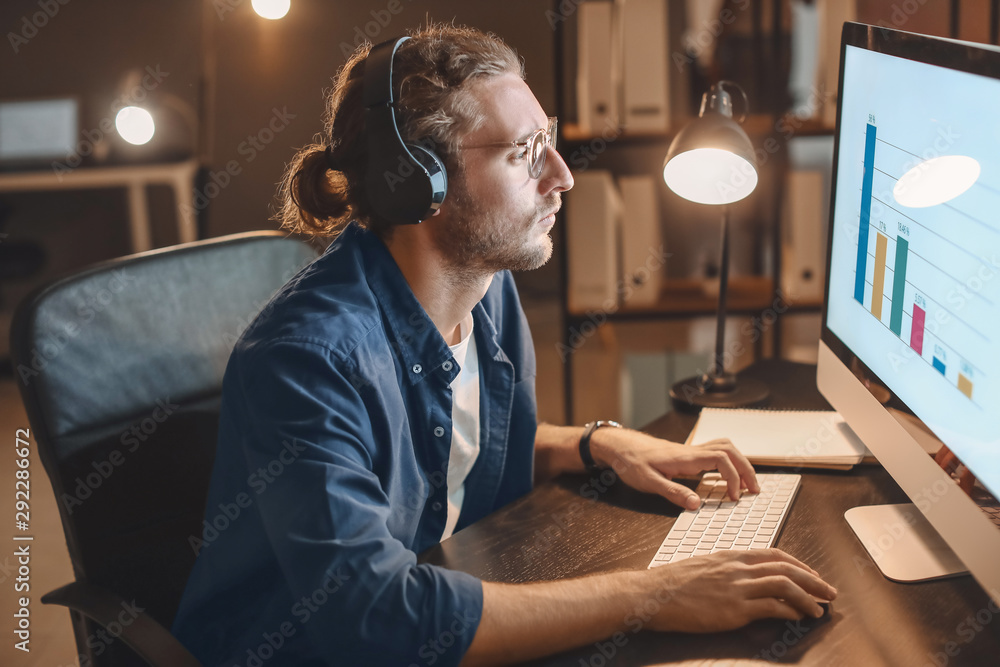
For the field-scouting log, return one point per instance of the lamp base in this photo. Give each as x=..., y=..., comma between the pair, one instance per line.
x=725, y=391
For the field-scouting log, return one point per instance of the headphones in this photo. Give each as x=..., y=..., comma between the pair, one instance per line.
x=406, y=183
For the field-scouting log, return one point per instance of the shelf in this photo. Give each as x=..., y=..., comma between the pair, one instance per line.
x=694, y=297
x=756, y=125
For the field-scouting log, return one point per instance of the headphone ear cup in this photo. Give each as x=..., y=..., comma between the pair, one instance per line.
x=436, y=172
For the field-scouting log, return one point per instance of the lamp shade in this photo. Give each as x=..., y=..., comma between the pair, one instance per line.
x=711, y=160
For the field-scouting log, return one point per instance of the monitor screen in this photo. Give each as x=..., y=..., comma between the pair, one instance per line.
x=915, y=268
x=912, y=309
x=37, y=130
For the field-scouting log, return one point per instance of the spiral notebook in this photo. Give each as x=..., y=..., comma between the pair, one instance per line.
x=795, y=438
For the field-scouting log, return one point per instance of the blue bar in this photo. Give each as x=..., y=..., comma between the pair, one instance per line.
x=866, y=214
x=939, y=365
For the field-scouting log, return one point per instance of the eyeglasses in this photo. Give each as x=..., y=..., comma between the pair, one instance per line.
x=534, y=146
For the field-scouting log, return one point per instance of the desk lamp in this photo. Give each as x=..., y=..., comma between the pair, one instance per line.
x=711, y=161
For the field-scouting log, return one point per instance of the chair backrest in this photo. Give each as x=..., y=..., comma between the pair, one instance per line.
x=120, y=367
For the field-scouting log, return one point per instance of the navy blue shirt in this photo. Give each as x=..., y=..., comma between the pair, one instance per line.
x=331, y=472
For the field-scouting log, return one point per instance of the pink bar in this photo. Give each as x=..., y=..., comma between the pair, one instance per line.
x=917, y=332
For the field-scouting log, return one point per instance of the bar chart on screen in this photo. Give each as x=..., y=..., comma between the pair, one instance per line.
x=928, y=273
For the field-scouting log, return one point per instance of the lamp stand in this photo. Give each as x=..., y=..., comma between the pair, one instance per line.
x=717, y=388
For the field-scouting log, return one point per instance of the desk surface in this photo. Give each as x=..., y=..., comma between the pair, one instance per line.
x=577, y=525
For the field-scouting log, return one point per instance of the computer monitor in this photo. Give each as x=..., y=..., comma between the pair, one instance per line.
x=910, y=346
x=35, y=132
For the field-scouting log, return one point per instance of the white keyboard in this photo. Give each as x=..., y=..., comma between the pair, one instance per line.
x=721, y=524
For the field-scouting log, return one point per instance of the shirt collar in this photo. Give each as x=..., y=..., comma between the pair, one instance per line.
x=420, y=346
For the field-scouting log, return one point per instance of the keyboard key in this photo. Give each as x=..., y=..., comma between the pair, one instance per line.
x=684, y=521
x=720, y=524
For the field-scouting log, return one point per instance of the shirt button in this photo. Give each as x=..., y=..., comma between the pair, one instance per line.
x=446, y=365
x=438, y=431
x=436, y=506
x=417, y=368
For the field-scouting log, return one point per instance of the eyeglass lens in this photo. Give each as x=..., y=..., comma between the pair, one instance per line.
x=536, y=149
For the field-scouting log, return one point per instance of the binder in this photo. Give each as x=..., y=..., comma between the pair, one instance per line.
x=804, y=237
x=645, y=65
x=593, y=211
x=643, y=251
x=597, y=68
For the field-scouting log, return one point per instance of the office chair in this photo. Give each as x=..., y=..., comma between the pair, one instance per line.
x=120, y=368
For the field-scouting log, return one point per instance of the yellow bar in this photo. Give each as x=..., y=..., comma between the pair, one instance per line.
x=965, y=385
x=878, y=280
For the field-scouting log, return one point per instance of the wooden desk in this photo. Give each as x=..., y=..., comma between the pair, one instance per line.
x=576, y=525
x=180, y=176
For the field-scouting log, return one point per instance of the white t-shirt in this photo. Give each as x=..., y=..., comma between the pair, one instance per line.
x=464, y=420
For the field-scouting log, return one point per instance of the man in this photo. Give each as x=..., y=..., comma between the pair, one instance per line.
x=393, y=383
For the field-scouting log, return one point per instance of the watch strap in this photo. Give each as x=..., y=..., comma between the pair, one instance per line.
x=588, y=431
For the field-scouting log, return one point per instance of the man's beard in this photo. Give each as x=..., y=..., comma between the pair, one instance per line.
x=478, y=240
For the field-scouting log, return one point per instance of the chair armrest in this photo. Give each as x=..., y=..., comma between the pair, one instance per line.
x=142, y=633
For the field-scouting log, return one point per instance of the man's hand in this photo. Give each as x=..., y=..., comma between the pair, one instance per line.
x=647, y=463
x=729, y=589
x=722, y=591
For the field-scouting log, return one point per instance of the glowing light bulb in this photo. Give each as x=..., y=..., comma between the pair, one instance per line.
x=271, y=9
x=710, y=176
x=135, y=125
x=936, y=181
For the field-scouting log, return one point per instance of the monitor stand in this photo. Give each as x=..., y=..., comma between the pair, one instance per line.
x=903, y=544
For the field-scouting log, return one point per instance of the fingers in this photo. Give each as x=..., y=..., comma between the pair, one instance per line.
x=773, y=608
x=786, y=589
x=676, y=493
x=807, y=583
x=734, y=467
x=755, y=556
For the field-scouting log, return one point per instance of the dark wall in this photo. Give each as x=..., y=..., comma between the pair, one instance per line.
x=268, y=74
x=285, y=65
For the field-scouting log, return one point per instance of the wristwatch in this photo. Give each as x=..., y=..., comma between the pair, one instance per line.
x=588, y=431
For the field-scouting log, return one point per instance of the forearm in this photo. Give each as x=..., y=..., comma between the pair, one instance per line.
x=525, y=621
x=557, y=450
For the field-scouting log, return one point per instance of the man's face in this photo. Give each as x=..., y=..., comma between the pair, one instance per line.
x=495, y=215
